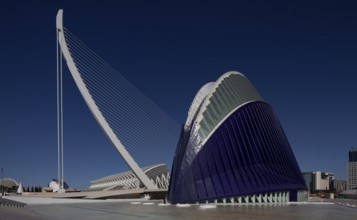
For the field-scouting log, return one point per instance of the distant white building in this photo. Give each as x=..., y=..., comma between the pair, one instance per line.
x=321, y=181
x=54, y=186
x=158, y=175
x=8, y=183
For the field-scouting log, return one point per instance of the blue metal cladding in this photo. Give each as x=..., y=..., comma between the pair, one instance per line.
x=248, y=154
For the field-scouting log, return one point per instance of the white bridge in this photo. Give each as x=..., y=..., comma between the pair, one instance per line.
x=129, y=119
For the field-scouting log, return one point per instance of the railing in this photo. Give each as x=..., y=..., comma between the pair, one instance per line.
x=8, y=202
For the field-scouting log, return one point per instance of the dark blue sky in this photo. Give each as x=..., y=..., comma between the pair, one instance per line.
x=300, y=55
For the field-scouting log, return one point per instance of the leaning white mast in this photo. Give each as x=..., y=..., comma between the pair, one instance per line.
x=94, y=108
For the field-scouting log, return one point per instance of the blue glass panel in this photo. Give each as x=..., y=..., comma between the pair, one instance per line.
x=200, y=185
x=221, y=171
x=227, y=165
x=213, y=170
x=206, y=176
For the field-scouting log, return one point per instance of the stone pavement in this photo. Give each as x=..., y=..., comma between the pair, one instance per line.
x=141, y=209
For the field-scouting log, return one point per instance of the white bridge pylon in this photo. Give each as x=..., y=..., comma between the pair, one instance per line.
x=94, y=108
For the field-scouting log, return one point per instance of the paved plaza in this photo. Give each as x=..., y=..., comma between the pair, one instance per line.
x=143, y=209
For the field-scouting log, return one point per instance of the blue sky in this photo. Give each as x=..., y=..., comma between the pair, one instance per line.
x=300, y=55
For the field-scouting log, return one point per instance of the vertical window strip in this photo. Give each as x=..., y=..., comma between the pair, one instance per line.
x=265, y=152
x=220, y=167
x=238, y=153
x=259, y=146
x=283, y=147
x=226, y=163
x=251, y=141
x=212, y=165
x=281, y=166
x=231, y=157
x=247, y=167
x=207, y=177
x=270, y=149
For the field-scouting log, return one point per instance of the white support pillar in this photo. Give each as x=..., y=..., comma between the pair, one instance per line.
x=270, y=197
x=259, y=198
x=239, y=200
x=246, y=199
x=232, y=200
x=265, y=198
x=279, y=197
x=253, y=199
x=284, y=197
x=288, y=196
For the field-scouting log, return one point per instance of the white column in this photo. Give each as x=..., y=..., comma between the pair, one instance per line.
x=259, y=198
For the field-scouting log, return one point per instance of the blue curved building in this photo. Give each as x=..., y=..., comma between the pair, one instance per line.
x=232, y=148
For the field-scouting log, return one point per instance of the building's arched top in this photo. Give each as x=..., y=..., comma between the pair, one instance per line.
x=196, y=103
x=228, y=93
x=8, y=182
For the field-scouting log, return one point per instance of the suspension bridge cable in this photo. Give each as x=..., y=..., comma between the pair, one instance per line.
x=147, y=132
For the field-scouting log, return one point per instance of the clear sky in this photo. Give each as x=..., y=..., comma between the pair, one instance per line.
x=300, y=55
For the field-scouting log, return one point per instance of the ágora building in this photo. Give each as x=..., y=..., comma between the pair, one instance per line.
x=232, y=149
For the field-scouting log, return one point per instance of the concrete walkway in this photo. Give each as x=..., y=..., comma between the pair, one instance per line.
x=51, y=208
x=30, y=200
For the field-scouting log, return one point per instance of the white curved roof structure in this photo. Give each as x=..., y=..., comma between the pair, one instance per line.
x=218, y=100
x=8, y=182
x=158, y=174
x=196, y=103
